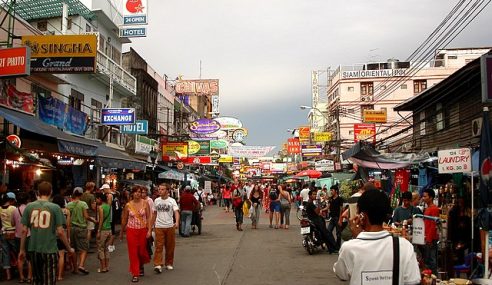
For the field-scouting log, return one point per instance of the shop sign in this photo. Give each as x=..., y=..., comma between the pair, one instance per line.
x=373, y=73
x=117, y=116
x=141, y=127
x=207, y=87
x=215, y=104
x=225, y=159
x=204, y=148
x=144, y=145
x=133, y=32
x=229, y=123
x=207, y=188
x=364, y=132
x=135, y=12
x=454, y=160
x=198, y=160
x=293, y=146
x=174, y=151
x=193, y=147
x=13, y=99
x=311, y=150
x=204, y=126
x=418, y=231
x=62, y=53
x=324, y=165
x=249, y=151
x=304, y=134
x=278, y=167
x=218, y=144
x=375, y=116
x=486, y=74
x=322, y=136
x=14, y=140
x=15, y=61
x=239, y=135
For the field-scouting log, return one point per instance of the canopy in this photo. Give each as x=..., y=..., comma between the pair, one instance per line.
x=309, y=173
x=363, y=154
x=172, y=175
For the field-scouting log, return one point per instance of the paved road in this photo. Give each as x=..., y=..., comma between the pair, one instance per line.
x=222, y=255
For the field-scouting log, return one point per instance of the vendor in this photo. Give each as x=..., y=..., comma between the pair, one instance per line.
x=406, y=210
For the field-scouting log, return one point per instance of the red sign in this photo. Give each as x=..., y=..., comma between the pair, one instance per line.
x=14, y=99
x=198, y=160
x=365, y=132
x=15, y=140
x=15, y=61
x=293, y=145
x=304, y=133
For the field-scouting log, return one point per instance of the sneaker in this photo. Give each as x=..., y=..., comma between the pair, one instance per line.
x=158, y=269
x=169, y=267
x=111, y=248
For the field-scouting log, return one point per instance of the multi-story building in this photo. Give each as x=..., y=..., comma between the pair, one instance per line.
x=380, y=87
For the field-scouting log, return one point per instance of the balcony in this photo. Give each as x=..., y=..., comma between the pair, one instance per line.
x=123, y=82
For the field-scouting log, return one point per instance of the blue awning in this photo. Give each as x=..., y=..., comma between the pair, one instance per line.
x=112, y=158
x=66, y=143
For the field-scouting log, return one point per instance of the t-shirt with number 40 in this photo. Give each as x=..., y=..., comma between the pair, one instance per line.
x=43, y=218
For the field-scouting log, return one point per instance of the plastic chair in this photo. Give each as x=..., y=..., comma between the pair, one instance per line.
x=465, y=267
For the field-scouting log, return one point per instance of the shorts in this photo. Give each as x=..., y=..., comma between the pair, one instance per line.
x=275, y=206
x=91, y=226
x=60, y=245
x=78, y=239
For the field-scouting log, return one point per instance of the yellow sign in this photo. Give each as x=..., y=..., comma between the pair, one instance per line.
x=61, y=45
x=304, y=133
x=225, y=158
x=375, y=116
x=193, y=147
x=179, y=149
x=322, y=137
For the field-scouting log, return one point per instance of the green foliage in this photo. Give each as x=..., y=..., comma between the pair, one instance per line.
x=347, y=188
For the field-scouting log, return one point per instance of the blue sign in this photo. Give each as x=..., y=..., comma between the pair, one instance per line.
x=133, y=32
x=118, y=116
x=141, y=127
x=135, y=20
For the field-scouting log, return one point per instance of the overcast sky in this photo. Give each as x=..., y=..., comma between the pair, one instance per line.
x=263, y=51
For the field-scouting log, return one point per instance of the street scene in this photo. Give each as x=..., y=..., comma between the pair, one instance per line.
x=245, y=142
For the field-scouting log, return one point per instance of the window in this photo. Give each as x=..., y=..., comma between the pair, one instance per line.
x=96, y=107
x=69, y=24
x=115, y=55
x=365, y=107
x=76, y=100
x=350, y=89
x=419, y=86
x=439, y=117
x=366, y=88
x=403, y=86
x=102, y=41
x=422, y=123
x=88, y=28
x=40, y=91
x=42, y=26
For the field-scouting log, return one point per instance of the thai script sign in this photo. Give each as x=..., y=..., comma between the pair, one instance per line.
x=62, y=53
x=198, y=160
x=229, y=123
x=373, y=73
x=117, y=116
x=174, y=151
x=364, y=132
x=198, y=87
x=293, y=145
x=193, y=147
x=454, y=160
x=204, y=126
x=375, y=116
x=15, y=61
x=249, y=151
x=218, y=144
x=324, y=165
x=226, y=159
x=304, y=134
x=311, y=150
x=322, y=136
x=141, y=127
x=143, y=145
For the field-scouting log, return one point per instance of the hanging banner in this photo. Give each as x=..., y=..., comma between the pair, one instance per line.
x=13, y=99
x=293, y=146
x=454, y=160
x=249, y=151
x=365, y=132
x=322, y=136
x=54, y=112
x=198, y=160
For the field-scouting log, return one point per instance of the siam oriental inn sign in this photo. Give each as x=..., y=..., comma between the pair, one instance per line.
x=373, y=73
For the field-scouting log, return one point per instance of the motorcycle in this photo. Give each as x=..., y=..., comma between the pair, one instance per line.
x=311, y=237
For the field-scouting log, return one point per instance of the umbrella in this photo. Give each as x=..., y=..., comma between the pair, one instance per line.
x=310, y=173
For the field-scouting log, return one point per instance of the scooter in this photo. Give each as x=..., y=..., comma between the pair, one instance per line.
x=311, y=237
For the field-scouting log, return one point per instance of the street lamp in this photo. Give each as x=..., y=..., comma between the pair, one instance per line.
x=153, y=157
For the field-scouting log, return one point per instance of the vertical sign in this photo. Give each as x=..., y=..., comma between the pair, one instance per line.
x=486, y=73
x=314, y=87
x=215, y=105
x=134, y=13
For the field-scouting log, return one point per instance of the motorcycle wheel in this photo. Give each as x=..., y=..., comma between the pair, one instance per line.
x=309, y=244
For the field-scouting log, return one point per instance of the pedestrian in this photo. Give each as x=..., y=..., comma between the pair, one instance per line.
x=136, y=221
x=285, y=203
x=356, y=261
x=237, y=205
x=305, y=194
x=78, y=235
x=165, y=219
x=187, y=204
x=60, y=201
x=256, y=197
x=22, y=199
x=103, y=235
x=335, y=210
x=226, y=196
x=146, y=198
x=7, y=239
x=266, y=198
x=406, y=211
x=89, y=198
x=115, y=214
x=274, y=197
x=45, y=221
x=431, y=235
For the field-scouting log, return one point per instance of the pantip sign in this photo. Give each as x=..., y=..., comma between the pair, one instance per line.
x=454, y=160
x=117, y=116
x=15, y=61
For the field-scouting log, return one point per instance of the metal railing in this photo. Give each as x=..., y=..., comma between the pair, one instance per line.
x=122, y=77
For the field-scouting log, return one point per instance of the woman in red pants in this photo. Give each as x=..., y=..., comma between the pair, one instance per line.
x=136, y=220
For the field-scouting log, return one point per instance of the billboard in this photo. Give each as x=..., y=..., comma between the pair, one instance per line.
x=322, y=136
x=311, y=150
x=364, y=132
x=62, y=53
x=174, y=151
x=293, y=146
x=208, y=87
x=15, y=61
x=375, y=116
x=204, y=126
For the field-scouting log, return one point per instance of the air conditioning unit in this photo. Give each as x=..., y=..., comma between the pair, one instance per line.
x=367, y=98
x=476, y=127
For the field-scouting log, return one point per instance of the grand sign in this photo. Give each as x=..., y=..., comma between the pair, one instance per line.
x=62, y=53
x=15, y=61
x=373, y=73
x=198, y=87
x=204, y=126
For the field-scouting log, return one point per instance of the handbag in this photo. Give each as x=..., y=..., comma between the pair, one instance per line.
x=236, y=202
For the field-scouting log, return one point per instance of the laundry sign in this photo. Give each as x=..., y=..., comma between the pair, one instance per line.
x=454, y=160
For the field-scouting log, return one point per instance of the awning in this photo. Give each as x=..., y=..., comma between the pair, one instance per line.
x=172, y=175
x=66, y=143
x=112, y=158
x=363, y=154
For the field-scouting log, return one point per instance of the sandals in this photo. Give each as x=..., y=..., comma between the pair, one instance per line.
x=99, y=270
x=135, y=279
x=83, y=270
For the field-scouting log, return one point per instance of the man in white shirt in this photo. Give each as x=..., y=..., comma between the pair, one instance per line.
x=165, y=209
x=356, y=261
x=305, y=194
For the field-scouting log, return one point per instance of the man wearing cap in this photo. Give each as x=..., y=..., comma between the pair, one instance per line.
x=187, y=204
x=78, y=236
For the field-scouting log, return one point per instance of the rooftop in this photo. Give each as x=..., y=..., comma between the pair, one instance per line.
x=45, y=9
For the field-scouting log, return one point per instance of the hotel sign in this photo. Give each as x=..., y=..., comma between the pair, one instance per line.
x=373, y=73
x=62, y=53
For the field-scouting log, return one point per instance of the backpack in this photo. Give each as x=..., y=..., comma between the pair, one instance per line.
x=273, y=195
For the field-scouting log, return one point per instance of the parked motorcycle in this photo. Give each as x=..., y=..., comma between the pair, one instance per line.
x=311, y=237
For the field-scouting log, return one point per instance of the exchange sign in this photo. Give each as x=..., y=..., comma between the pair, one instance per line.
x=117, y=116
